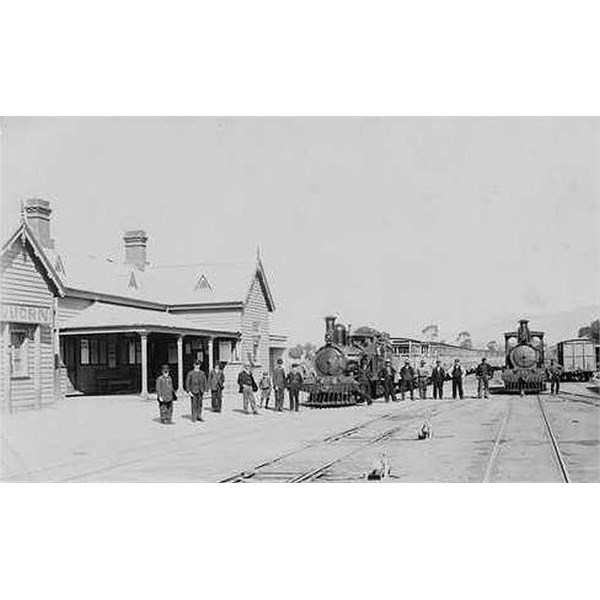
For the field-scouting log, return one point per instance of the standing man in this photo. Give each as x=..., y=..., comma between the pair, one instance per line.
x=247, y=386
x=364, y=385
x=265, y=389
x=387, y=376
x=438, y=375
x=216, y=383
x=407, y=380
x=423, y=375
x=554, y=372
x=279, y=384
x=484, y=373
x=195, y=386
x=165, y=395
x=294, y=383
x=458, y=374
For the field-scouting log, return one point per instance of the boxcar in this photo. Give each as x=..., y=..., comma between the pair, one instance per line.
x=578, y=357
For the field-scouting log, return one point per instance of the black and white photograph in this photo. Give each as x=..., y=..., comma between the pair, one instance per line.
x=343, y=243
x=300, y=300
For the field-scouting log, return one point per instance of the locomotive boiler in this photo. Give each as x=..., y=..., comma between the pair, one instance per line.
x=524, y=371
x=347, y=366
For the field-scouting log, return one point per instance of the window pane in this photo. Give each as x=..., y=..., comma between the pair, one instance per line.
x=19, y=354
x=102, y=351
x=131, y=344
x=94, y=351
x=84, y=351
x=112, y=354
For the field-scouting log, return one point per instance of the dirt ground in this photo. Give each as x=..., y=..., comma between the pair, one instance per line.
x=119, y=439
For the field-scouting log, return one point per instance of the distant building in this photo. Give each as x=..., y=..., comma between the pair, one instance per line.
x=415, y=349
x=96, y=326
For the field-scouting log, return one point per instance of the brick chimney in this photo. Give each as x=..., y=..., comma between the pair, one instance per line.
x=38, y=214
x=135, y=248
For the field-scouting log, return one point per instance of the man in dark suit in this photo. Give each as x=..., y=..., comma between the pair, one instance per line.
x=438, y=375
x=216, y=383
x=195, y=386
x=279, y=384
x=387, y=376
x=484, y=373
x=294, y=383
x=554, y=373
x=165, y=395
x=407, y=380
x=458, y=374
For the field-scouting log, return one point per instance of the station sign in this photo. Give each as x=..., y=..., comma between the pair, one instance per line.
x=22, y=313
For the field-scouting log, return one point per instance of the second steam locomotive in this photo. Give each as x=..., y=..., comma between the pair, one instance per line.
x=524, y=351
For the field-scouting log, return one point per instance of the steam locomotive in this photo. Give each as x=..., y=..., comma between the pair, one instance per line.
x=346, y=364
x=524, y=355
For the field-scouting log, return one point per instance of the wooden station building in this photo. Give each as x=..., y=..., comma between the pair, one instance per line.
x=83, y=325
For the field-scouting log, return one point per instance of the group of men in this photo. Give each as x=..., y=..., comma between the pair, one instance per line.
x=292, y=382
x=410, y=378
x=197, y=384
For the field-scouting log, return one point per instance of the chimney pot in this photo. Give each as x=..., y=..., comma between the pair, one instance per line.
x=135, y=248
x=38, y=214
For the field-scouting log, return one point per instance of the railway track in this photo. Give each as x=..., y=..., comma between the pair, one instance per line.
x=560, y=467
x=312, y=461
x=582, y=398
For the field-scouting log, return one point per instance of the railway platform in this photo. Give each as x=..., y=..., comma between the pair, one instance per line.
x=119, y=439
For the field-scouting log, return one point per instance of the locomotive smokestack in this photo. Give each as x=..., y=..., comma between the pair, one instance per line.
x=329, y=323
x=523, y=334
x=329, y=326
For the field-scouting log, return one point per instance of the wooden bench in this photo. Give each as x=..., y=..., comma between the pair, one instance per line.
x=109, y=383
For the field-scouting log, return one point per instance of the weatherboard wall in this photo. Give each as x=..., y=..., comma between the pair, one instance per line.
x=27, y=329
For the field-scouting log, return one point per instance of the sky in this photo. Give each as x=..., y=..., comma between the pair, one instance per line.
x=392, y=222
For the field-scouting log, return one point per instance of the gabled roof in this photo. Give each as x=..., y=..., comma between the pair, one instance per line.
x=24, y=234
x=195, y=284
x=157, y=286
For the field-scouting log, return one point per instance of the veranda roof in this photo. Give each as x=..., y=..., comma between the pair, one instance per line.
x=102, y=317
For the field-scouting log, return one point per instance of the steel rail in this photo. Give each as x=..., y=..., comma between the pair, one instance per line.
x=497, y=442
x=581, y=398
x=557, y=453
x=314, y=473
x=240, y=476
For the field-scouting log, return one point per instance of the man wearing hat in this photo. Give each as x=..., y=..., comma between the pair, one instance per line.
x=165, y=395
x=294, y=383
x=279, y=384
x=484, y=373
x=247, y=387
x=387, y=376
x=407, y=380
x=437, y=379
x=195, y=386
x=458, y=373
x=216, y=383
x=423, y=375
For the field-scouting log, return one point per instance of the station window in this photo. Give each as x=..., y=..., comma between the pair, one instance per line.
x=102, y=354
x=19, y=356
x=84, y=351
x=134, y=352
x=94, y=351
